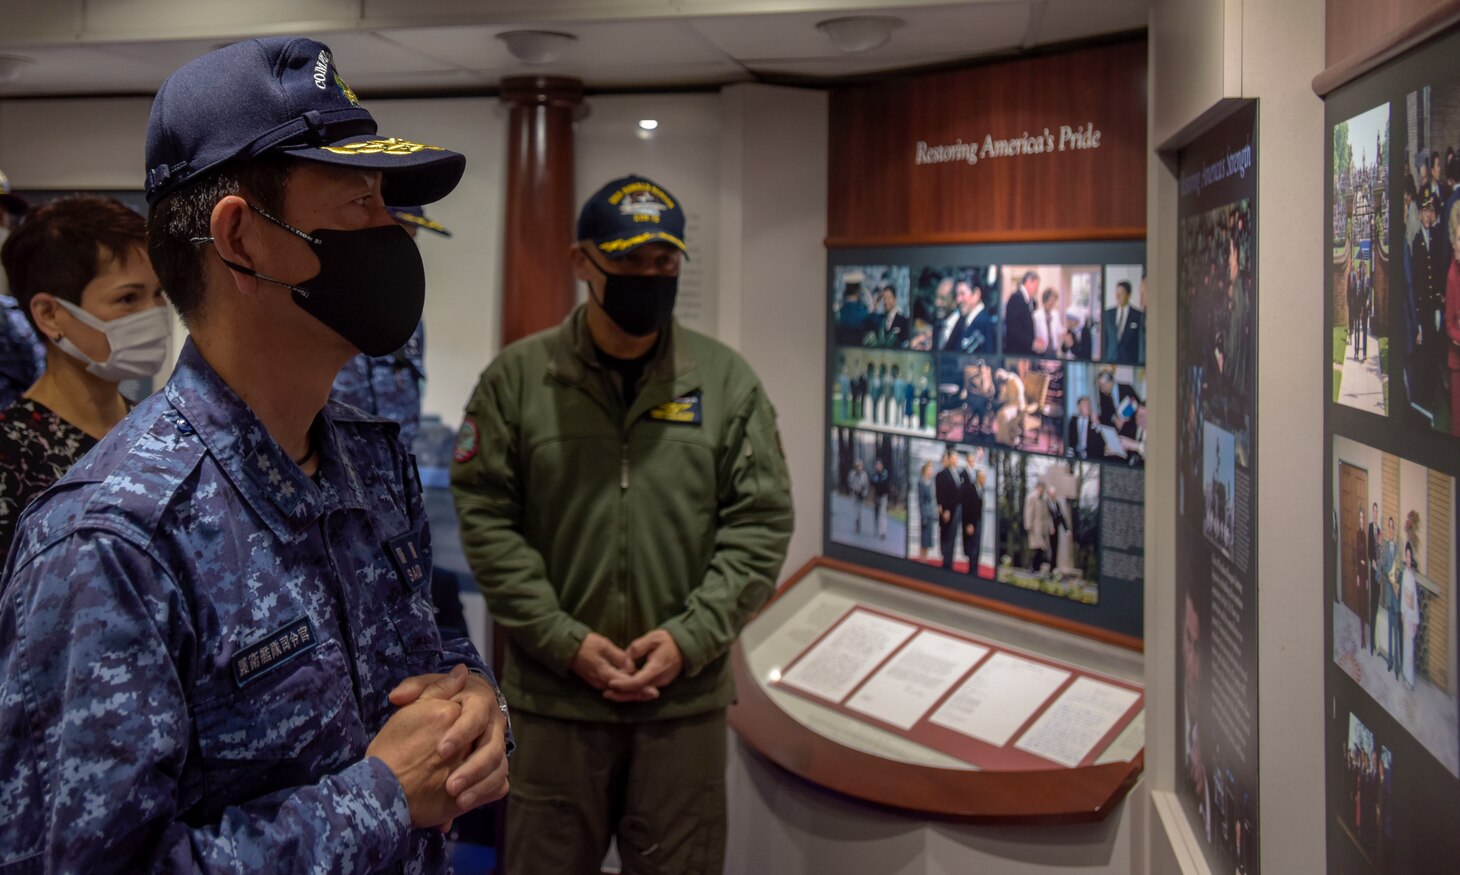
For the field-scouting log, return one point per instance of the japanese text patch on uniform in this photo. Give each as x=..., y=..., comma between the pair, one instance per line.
x=277, y=648
x=685, y=409
x=410, y=560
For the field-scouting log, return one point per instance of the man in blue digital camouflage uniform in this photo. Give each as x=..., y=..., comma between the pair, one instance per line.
x=390, y=385
x=22, y=357
x=216, y=652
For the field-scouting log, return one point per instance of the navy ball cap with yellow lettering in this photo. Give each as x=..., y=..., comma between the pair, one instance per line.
x=281, y=95
x=628, y=213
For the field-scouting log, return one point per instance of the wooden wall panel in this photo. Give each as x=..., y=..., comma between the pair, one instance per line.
x=1355, y=26
x=879, y=195
x=1360, y=35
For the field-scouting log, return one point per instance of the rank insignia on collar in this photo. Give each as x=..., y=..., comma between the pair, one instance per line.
x=409, y=557
x=686, y=410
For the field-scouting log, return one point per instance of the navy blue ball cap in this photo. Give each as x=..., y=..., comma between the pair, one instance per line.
x=628, y=213
x=281, y=95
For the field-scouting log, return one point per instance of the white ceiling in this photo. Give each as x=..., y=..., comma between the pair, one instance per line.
x=395, y=46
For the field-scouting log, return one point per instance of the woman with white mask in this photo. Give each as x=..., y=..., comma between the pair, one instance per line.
x=79, y=268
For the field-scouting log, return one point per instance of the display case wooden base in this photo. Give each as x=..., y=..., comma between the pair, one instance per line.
x=828, y=745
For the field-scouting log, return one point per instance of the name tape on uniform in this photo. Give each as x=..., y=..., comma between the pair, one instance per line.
x=686, y=410
x=257, y=660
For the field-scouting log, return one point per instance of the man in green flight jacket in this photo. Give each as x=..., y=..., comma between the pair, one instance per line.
x=625, y=507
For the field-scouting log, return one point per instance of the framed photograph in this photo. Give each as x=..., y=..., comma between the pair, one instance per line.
x=1049, y=525
x=953, y=514
x=1359, y=275
x=885, y=391
x=869, y=501
x=1042, y=302
x=1393, y=619
x=871, y=306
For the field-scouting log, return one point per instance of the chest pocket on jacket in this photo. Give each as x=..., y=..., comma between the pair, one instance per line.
x=288, y=728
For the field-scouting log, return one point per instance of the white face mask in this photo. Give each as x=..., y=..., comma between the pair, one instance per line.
x=138, y=343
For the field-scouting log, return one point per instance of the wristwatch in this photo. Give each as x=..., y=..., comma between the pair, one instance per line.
x=501, y=706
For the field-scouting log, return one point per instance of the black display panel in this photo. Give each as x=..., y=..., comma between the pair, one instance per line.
x=1391, y=456
x=1216, y=495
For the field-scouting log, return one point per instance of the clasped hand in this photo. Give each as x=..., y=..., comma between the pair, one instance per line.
x=618, y=672
x=446, y=745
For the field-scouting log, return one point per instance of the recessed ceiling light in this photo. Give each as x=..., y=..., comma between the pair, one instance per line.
x=860, y=33
x=648, y=124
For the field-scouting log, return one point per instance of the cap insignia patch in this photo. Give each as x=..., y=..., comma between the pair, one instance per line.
x=387, y=146
x=643, y=201
x=346, y=90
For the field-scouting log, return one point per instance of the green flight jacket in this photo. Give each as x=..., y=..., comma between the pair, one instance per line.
x=579, y=516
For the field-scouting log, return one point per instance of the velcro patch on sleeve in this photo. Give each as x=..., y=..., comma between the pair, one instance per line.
x=468, y=441
x=409, y=557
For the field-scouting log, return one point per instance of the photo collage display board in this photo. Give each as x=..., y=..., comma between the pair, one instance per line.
x=1392, y=453
x=987, y=422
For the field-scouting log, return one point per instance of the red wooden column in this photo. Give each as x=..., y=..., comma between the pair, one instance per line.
x=537, y=282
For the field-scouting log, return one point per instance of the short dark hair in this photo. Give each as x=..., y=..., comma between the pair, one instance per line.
x=59, y=248
x=181, y=217
x=1123, y=284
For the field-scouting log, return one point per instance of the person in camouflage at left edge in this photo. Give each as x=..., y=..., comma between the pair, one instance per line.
x=216, y=649
x=390, y=385
x=22, y=356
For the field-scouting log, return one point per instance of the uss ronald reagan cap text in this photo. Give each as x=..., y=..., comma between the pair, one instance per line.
x=628, y=213
x=281, y=95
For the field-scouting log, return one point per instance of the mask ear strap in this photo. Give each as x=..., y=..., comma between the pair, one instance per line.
x=285, y=225
x=307, y=238
x=597, y=299
x=248, y=271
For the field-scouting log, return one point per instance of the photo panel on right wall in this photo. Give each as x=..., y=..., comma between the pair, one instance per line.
x=1392, y=330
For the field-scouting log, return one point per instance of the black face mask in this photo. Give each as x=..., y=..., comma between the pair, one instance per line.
x=640, y=305
x=371, y=285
